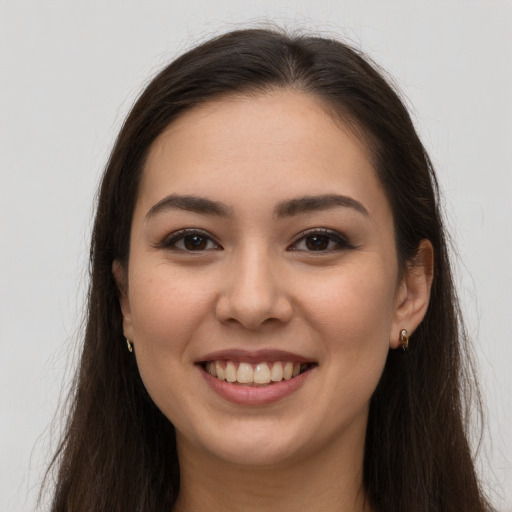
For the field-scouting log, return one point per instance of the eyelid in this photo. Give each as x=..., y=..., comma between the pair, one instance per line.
x=342, y=240
x=169, y=242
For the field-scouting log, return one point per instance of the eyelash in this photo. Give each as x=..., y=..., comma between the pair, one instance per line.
x=326, y=235
x=181, y=235
x=333, y=236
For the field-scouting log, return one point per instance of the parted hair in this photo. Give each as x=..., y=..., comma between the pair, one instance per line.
x=118, y=452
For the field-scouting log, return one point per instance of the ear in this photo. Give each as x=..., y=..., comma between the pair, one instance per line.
x=413, y=293
x=121, y=277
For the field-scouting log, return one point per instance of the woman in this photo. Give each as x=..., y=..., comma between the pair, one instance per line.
x=272, y=323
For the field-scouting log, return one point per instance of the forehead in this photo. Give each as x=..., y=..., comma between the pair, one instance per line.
x=273, y=144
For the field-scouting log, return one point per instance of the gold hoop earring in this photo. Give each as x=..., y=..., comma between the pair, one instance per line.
x=404, y=339
x=129, y=344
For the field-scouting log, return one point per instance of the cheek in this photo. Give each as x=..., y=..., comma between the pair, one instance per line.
x=167, y=314
x=352, y=311
x=353, y=324
x=164, y=309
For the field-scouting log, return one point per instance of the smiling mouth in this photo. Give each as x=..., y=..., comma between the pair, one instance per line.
x=259, y=374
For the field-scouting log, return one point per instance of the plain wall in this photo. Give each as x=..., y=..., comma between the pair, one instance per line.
x=69, y=72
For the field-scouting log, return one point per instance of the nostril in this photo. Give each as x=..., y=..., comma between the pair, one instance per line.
x=252, y=313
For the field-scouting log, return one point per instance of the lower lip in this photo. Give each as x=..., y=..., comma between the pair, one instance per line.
x=252, y=395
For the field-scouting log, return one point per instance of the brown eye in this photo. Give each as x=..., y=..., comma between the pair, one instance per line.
x=320, y=240
x=190, y=241
x=317, y=242
x=195, y=242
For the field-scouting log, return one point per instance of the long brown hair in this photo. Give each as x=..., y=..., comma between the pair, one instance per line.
x=118, y=451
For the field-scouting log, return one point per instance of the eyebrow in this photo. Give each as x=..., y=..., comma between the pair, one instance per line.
x=309, y=204
x=289, y=208
x=189, y=203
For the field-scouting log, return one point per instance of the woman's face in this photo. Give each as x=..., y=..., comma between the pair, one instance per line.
x=262, y=244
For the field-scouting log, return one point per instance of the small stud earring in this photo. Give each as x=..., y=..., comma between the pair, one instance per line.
x=129, y=344
x=404, y=339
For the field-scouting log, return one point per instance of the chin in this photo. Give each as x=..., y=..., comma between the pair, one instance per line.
x=257, y=442
x=256, y=455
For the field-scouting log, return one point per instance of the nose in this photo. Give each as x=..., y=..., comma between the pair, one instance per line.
x=254, y=292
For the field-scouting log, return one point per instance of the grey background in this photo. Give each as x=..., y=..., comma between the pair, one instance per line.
x=69, y=72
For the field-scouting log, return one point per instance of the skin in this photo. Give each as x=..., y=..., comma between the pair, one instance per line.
x=255, y=283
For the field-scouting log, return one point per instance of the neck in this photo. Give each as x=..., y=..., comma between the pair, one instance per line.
x=329, y=480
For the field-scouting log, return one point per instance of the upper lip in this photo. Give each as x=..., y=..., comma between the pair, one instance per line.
x=254, y=356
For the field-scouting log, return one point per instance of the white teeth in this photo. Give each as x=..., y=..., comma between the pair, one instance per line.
x=230, y=372
x=248, y=373
x=220, y=371
x=245, y=373
x=262, y=374
x=276, y=374
x=288, y=371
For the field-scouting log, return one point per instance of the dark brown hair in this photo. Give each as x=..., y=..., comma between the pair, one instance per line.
x=118, y=452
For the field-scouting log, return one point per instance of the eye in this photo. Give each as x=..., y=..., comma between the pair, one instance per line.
x=320, y=240
x=190, y=241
